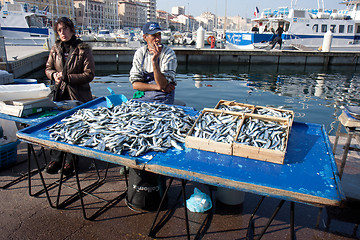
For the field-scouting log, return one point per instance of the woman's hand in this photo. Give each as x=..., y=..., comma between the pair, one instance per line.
x=58, y=77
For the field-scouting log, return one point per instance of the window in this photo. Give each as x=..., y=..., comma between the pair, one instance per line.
x=333, y=28
x=315, y=28
x=341, y=28
x=358, y=29
x=350, y=29
x=324, y=28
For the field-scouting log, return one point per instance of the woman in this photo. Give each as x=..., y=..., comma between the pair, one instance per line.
x=71, y=67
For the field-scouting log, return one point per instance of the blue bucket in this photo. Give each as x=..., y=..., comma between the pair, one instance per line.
x=25, y=81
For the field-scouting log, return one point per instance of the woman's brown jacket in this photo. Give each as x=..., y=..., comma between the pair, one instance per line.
x=80, y=70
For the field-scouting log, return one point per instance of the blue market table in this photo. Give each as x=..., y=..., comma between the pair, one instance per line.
x=309, y=174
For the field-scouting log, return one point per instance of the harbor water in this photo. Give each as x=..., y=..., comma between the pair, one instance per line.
x=314, y=95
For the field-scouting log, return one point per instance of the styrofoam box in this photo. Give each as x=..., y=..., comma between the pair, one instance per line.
x=23, y=91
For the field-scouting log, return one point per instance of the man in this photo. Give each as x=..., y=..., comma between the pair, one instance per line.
x=153, y=75
x=154, y=68
x=255, y=29
x=278, y=38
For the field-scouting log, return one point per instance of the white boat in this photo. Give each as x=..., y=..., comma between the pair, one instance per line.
x=21, y=25
x=105, y=36
x=86, y=36
x=121, y=36
x=189, y=38
x=304, y=28
x=166, y=37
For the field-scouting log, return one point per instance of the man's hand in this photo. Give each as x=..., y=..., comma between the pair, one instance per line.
x=169, y=88
x=155, y=50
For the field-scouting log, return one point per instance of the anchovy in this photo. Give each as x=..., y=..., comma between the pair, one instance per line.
x=133, y=126
x=264, y=134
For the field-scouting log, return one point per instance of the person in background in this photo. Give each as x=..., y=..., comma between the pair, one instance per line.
x=71, y=67
x=266, y=28
x=154, y=68
x=278, y=39
x=255, y=29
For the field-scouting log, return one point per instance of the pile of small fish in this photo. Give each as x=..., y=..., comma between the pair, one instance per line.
x=219, y=128
x=235, y=108
x=133, y=126
x=259, y=133
x=272, y=113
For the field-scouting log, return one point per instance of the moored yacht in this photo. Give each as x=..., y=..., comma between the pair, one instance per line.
x=304, y=27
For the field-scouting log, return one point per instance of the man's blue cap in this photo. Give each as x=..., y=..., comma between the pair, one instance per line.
x=151, y=28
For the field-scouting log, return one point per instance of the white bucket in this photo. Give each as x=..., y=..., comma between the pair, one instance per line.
x=230, y=196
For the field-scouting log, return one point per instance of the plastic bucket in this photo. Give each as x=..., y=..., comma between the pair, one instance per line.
x=145, y=190
x=229, y=196
x=25, y=81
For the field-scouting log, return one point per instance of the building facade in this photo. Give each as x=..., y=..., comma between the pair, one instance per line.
x=179, y=10
x=132, y=13
x=150, y=9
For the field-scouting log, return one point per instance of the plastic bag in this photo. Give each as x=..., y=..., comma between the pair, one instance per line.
x=198, y=202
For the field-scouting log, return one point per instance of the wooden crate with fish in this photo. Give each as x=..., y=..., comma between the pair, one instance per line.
x=214, y=130
x=262, y=138
x=275, y=112
x=234, y=106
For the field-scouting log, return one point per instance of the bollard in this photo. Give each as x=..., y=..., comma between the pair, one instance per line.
x=327, y=41
x=200, y=35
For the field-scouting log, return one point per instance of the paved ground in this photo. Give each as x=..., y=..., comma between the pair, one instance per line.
x=26, y=217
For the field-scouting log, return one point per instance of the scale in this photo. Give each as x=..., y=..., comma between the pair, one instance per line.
x=26, y=107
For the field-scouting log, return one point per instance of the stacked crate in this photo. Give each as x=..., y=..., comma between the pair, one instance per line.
x=261, y=133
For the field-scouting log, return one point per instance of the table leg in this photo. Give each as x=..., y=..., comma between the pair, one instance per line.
x=31, y=150
x=183, y=183
x=346, y=151
x=292, y=216
x=251, y=226
x=81, y=192
x=151, y=233
x=271, y=218
x=337, y=138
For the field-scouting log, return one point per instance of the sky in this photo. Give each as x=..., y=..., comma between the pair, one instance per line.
x=243, y=8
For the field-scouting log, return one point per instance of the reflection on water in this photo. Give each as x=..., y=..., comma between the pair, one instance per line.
x=314, y=96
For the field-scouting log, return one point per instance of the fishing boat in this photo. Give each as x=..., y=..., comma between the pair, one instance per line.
x=304, y=28
x=87, y=36
x=22, y=25
x=104, y=35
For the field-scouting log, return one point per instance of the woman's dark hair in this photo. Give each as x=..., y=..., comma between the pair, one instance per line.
x=67, y=22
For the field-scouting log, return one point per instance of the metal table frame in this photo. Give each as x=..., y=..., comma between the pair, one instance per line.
x=27, y=121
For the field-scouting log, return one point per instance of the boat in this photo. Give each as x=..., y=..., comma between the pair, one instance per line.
x=121, y=36
x=87, y=36
x=166, y=37
x=208, y=36
x=22, y=25
x=189, y=38
x=304, y=28
x=105, y=36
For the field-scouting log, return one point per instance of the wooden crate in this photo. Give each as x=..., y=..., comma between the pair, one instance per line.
x=291, y=119
x=260, y=153
x=233, y=103
x=207, y=144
